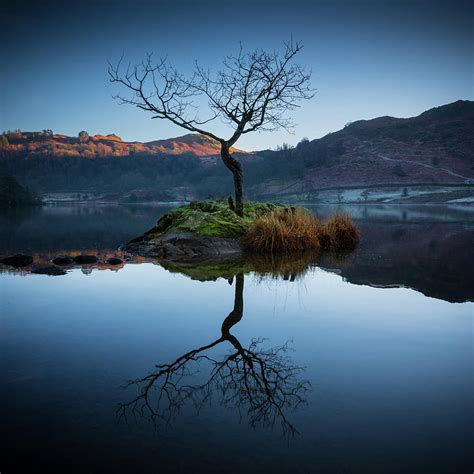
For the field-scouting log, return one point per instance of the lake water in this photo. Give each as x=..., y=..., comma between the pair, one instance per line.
x=355, y=364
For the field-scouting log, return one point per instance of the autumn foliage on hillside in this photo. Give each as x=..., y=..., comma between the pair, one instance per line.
x=46, y=143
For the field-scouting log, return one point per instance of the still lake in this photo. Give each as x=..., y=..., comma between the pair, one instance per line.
x=361, y=364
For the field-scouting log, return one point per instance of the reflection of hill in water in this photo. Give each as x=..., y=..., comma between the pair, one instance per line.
x=50, y=229
x=400, y=213
x=425, y=248
x=435, y=259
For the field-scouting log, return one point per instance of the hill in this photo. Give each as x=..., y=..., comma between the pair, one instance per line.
x=436, y=148
x=44, y=144
x=428, y=158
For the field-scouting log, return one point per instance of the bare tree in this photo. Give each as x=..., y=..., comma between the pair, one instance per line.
x=252, y=91
x=263, y=382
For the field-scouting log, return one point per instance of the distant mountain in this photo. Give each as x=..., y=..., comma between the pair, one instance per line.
x=199, y=145
x=437, y=147
x=44, y=143
x=356, y=164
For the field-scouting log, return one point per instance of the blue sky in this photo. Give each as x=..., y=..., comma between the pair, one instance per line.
x=369, y=58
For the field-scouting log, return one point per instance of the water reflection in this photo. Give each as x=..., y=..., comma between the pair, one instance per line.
x=262, y=382
x=54, y=230
x=427, y=248
x=286, y=267
x=391, y=369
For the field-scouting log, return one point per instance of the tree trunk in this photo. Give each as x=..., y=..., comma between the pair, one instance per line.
x=236, y=314
x=236, y=169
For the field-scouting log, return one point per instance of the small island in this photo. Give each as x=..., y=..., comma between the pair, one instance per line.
x=210, y=231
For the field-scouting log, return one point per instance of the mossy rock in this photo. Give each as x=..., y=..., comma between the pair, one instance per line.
x=212, y=218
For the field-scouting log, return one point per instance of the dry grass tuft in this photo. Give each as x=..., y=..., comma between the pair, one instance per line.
x=285, y=231
x=342, y=233
x=297, y=230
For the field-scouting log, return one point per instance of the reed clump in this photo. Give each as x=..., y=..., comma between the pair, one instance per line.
x=297, y=230
x=342, y=233
x=283, y=231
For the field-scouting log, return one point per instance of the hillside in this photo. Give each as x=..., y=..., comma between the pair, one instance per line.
x=13, y=195
x=379, y=160
x=437, y=147
x=43, y=144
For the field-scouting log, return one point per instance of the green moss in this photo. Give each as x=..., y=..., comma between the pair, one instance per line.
x=208, y=272
x=212, y=218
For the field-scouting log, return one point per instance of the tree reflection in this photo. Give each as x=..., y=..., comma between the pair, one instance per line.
x=264, y=383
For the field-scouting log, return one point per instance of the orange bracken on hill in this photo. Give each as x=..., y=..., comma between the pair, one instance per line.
x=41, y=144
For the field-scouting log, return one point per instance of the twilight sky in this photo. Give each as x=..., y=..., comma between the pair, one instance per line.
x=369, y=58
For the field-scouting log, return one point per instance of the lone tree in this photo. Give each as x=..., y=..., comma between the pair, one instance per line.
x=253, y=91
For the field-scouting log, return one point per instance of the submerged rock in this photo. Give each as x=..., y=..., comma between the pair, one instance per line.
x=63, y=260
x=48, y=270
x=85, y=259
x=18, y=260
x=114, y=261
